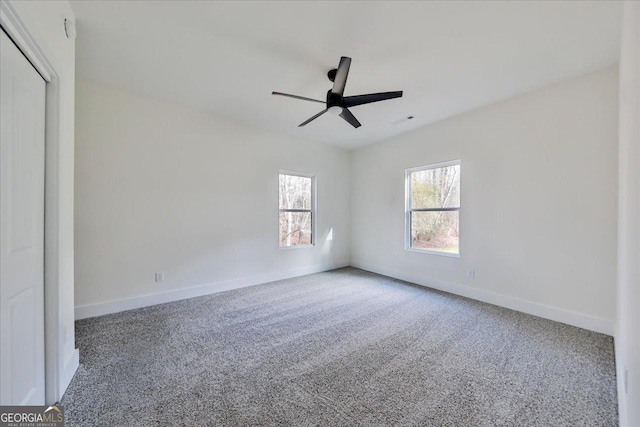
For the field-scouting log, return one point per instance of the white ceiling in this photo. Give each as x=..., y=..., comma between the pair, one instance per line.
x=448, y=57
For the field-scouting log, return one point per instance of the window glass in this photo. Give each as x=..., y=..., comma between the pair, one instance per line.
x=295, y=192
x=436, y=188
x=295, y=228
x=435, y=231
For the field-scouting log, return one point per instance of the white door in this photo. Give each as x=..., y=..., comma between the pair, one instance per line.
x=22, y=95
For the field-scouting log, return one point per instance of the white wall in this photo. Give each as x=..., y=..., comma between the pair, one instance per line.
x=44, y=21
x=538, y=197
x=164, y=188
x=628, y=316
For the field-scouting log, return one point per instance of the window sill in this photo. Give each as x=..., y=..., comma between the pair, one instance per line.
x=426, y=251
x=286, y=248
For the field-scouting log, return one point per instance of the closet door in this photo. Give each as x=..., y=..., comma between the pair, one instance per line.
x=22, y=112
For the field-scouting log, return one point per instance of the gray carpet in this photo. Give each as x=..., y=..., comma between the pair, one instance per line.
x=341, y=348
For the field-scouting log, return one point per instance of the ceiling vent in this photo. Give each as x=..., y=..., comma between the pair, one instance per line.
x=402, y=120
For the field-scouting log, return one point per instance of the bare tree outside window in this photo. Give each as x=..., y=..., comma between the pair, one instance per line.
x=296, y=210
x=433, y=208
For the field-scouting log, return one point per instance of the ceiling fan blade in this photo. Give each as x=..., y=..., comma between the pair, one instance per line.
x=312, y=118
x=297, y=97
x=352, y=101
x=346, y=114
x=341, y=76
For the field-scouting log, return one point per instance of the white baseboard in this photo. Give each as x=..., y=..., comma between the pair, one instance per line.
x=572, y=318
x=596, y=324
x=108, y=307
x=69, y=370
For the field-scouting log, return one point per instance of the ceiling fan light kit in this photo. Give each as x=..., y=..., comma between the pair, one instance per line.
x=336, y=102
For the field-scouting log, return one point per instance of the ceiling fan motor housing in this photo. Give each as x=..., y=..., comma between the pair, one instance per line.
x=333, y=99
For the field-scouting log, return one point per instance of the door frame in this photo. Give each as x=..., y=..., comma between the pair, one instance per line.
x=17, y=31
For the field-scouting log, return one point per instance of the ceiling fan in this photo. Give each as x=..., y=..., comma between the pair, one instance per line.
x=338, y=103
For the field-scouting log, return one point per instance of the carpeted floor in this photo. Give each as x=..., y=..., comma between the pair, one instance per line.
x=341, y=348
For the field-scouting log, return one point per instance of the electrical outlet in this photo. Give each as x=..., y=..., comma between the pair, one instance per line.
x=471, y=273
x=159, y=277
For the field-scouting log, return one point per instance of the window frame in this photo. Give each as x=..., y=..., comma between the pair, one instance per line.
x=312, y=211
x=408, y=210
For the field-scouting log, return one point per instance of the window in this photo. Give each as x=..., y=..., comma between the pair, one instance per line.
x=433, y=209
x=297, y=210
